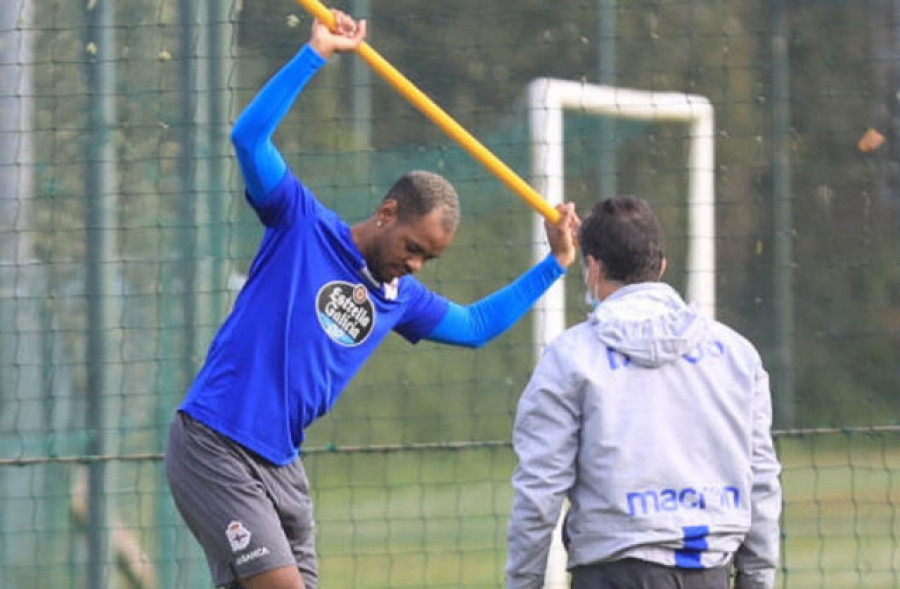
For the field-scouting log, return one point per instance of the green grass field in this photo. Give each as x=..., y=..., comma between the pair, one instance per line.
x=842, y=511
x=412, y=519
x=438, y=518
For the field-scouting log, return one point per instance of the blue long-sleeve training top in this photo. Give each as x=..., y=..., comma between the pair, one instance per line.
x=308, y=317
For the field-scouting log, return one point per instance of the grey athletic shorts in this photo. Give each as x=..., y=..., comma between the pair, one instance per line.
x=631, y=573
x=249, y=515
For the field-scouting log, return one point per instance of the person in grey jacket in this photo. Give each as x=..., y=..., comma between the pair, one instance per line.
x=653, y=420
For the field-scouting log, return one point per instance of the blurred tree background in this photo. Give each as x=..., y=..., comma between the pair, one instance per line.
x=791, y=82
x=823, y=308
x=125, y=235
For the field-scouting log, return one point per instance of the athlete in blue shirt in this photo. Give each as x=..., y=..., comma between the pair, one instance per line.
x=320, y=297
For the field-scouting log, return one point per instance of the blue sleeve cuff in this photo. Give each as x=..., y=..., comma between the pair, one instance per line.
x=315, y=59
x=553, y=265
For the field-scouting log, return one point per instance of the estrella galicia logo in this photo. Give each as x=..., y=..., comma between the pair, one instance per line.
x=345, y=312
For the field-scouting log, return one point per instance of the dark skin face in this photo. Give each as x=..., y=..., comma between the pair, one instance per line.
x=396, y=248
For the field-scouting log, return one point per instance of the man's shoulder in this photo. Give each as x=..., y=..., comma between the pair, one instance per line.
x=733, y=338
x=578, y=337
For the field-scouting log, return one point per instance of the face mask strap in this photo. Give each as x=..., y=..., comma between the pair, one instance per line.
x=590, y=298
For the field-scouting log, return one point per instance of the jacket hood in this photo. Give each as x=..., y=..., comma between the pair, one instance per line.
x=648, y=322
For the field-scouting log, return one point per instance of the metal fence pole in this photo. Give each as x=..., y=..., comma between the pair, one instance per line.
x=100, y=225
x=783, y=245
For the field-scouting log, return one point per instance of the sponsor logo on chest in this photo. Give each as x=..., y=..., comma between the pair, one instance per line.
x=345, y=312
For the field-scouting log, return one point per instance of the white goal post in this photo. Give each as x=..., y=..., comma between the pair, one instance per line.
x=547, y=100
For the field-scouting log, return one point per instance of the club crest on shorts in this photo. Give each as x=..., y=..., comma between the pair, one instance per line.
x=345, y=312
x=238, y=536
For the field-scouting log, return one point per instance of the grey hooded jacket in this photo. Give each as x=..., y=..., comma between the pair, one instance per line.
x=654, y=421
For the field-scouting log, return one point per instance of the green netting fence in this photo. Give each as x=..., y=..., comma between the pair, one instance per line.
x=124, y=238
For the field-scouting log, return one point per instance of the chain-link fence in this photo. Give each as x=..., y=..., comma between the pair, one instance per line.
x=124, y=238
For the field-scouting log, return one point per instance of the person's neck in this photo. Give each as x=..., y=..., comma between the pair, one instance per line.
x=362, y=234
x=606, y=288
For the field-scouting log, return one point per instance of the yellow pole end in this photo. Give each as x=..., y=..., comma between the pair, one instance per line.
x=319, y=11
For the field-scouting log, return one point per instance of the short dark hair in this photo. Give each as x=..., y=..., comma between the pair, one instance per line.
x=419, y=192
x=624, y=234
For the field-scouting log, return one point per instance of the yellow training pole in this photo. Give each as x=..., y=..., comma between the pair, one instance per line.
x=440, y=118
